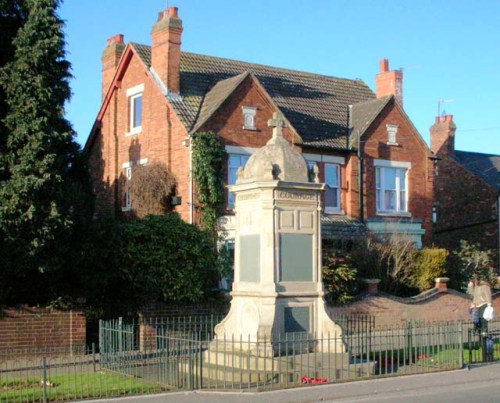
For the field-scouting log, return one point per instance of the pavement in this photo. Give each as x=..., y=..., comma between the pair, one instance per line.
x=479, y=384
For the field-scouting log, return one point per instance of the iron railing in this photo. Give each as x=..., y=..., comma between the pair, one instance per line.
x=183, y=354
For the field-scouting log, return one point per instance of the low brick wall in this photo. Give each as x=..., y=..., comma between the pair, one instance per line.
x=41, y=328
x=435, y=305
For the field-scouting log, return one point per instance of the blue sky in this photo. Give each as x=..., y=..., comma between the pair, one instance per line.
x=448, y=50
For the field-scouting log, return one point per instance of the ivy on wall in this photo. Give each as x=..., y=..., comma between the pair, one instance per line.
x=209, y=158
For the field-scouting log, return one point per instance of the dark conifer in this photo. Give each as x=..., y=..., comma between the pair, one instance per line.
x=39, y=147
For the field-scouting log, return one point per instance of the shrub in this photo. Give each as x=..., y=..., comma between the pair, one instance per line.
x=468, y=262
x=150, y=187
x=428, y=264
x=339, y=279
x=165, y=258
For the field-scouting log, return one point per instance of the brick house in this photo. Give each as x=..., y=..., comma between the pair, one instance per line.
x=155, y=97
x=467, y=192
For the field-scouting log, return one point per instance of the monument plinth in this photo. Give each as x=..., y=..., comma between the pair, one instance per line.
x=277, y=288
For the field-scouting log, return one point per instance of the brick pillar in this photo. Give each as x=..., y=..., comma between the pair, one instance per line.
x=441, y=283
x=372, y=284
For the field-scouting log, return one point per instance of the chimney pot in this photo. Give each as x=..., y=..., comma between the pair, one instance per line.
x=118, y=38
x=384, y=65
x=172, y=12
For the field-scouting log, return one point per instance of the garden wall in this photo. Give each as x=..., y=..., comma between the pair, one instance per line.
x=435, y=305
x=41, y=328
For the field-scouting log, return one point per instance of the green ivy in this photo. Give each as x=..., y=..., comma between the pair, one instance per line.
x=209, y=158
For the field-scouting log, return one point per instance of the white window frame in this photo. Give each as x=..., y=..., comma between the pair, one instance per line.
x=231, y=175
x=235, y=150
x=127, y=173
x=392, y=131
x=401, y=195
x=330, y=187
x=329, y=160
x=132, y=94
x=249, y=113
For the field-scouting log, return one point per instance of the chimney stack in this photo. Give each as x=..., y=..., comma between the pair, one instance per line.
x=110, y=59
x=166, y=48
x=443, y=135
x=389, y=82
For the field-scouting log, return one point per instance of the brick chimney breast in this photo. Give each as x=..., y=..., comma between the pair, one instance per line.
x=110, y=58
x=166, y=48
x=443, y=135
x=389, y=82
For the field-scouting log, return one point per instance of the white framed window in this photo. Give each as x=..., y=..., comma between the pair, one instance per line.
x=392, y=186
x=127, y=175
x=332, y=190
x=134, y=96
x=392, y=131
x=249, y=113
x=234, y=162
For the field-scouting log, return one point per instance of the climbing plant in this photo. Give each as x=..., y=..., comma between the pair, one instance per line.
x=209, y=159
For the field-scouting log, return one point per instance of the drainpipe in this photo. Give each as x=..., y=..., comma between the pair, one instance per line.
x=191, y=204
x=361, y=185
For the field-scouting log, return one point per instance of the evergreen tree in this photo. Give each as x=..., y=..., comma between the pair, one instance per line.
x=39, y=152
x=12, y=16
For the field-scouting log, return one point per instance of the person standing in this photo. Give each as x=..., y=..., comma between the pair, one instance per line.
x=481, y=299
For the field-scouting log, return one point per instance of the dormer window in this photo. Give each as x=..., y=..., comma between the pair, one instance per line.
x=249, y=113
x=392, y=131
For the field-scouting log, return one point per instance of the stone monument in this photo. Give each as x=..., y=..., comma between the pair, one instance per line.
x=277, y=288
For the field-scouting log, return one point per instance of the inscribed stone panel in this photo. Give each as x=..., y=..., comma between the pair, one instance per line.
x=250, y=258
x=297, y=319
x=296, y=251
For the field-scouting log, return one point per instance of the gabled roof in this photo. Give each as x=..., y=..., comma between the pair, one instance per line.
x=315, y=105
x=486, y=166
x=362, y=116
x=216, y=97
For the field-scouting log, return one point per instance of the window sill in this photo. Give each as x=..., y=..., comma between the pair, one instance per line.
x=392, y=144
x=393, y=214
x=252, y=129
x=334, y=211
x=134, y=132
x=124, y=209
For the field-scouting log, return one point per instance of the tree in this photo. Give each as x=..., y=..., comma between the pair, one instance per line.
x=12, y=17
x=39, y=150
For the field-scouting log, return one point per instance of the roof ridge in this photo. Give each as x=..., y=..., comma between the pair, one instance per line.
x=477, y=152
x=282, y=69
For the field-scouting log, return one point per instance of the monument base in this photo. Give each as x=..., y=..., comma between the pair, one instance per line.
x=268, y=326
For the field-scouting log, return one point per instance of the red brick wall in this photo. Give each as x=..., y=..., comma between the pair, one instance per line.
x=40, y=328
x=159, y=141
x=410, y=148
x=457, y=190
x=162, y=138
x=430, y=306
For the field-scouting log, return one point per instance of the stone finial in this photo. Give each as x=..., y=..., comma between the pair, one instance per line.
x=277, y=123
x=315, y=173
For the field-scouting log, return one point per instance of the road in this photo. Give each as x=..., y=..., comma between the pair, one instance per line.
x=480, y=384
